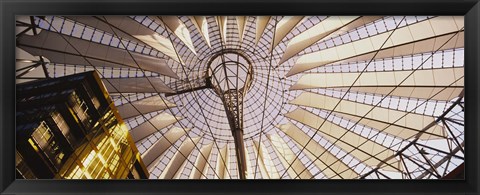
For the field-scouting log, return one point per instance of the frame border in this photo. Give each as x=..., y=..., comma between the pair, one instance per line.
x=10, y=8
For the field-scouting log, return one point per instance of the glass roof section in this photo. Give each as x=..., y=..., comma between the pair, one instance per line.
x=331, y=97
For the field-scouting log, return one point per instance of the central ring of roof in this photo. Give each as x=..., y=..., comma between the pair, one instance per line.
x=208, y=113
x=230, y=70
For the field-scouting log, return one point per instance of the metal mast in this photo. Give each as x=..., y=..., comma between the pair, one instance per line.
x=231, y=78
x=230, y=75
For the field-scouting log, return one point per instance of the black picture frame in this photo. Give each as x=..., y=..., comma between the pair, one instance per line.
x=10, y=8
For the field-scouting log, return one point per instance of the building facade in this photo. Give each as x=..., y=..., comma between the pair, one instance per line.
x=69, y=128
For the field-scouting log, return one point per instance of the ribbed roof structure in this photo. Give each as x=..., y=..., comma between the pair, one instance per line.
x=331, y=97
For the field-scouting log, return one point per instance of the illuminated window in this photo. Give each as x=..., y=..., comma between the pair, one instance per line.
x=45, y=139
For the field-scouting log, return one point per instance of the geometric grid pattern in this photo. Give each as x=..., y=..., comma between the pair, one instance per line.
x=332, y=96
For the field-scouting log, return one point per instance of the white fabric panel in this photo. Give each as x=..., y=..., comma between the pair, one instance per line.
x=220, y=167
x=368, y=152
x=284, y=26
x=21, y=54
x=269, y=164
x=35, y=73
x=250, y=169
x=127, y=25
x=25, y=19
x=261, y=24
x=444, y=42
x=156, y=123
x=130, y=29
x=422, y=84
x=361, y=21
x=180, y=170
x=54, y=47
x=290, y=158
x=201, y=24
x=407, y=126
x=329, y=164
x=267, y=168
x=315, y=34
x=160, y=43
x=201, y=162
x=23, y=60
x=210, y=160
x=396, y=130
x=226, y=173
x=290, y=172
x=180, y=30
x=179, y=158
x=222, y=26
x=260, y=164
x=403, y=40
x=444, y=94
x=145, y=105
x=241, y=24
x=136, y=85
x=151, y=156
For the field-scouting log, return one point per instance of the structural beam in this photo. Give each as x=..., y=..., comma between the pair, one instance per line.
x=144, y=106
x=367, y=151
x=152, y=156
x=403, y=124
x=430, y=34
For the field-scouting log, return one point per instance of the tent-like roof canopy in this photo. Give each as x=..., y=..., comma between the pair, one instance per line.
x=332, y=97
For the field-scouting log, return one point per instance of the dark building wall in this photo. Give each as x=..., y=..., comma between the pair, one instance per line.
x=68, y=127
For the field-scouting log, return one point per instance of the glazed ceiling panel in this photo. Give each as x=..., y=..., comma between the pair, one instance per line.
x=332, y=166
x=151, y=156
x=153, y=125
x=409, y=34
x=327, y=97
x=439, y=84
x=360, y=147
x=137, y=85
x=398, y=123
x=63, y=49
x=143, y=106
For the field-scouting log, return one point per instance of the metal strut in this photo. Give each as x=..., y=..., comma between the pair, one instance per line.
x=220, y=79
x=234, y=111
